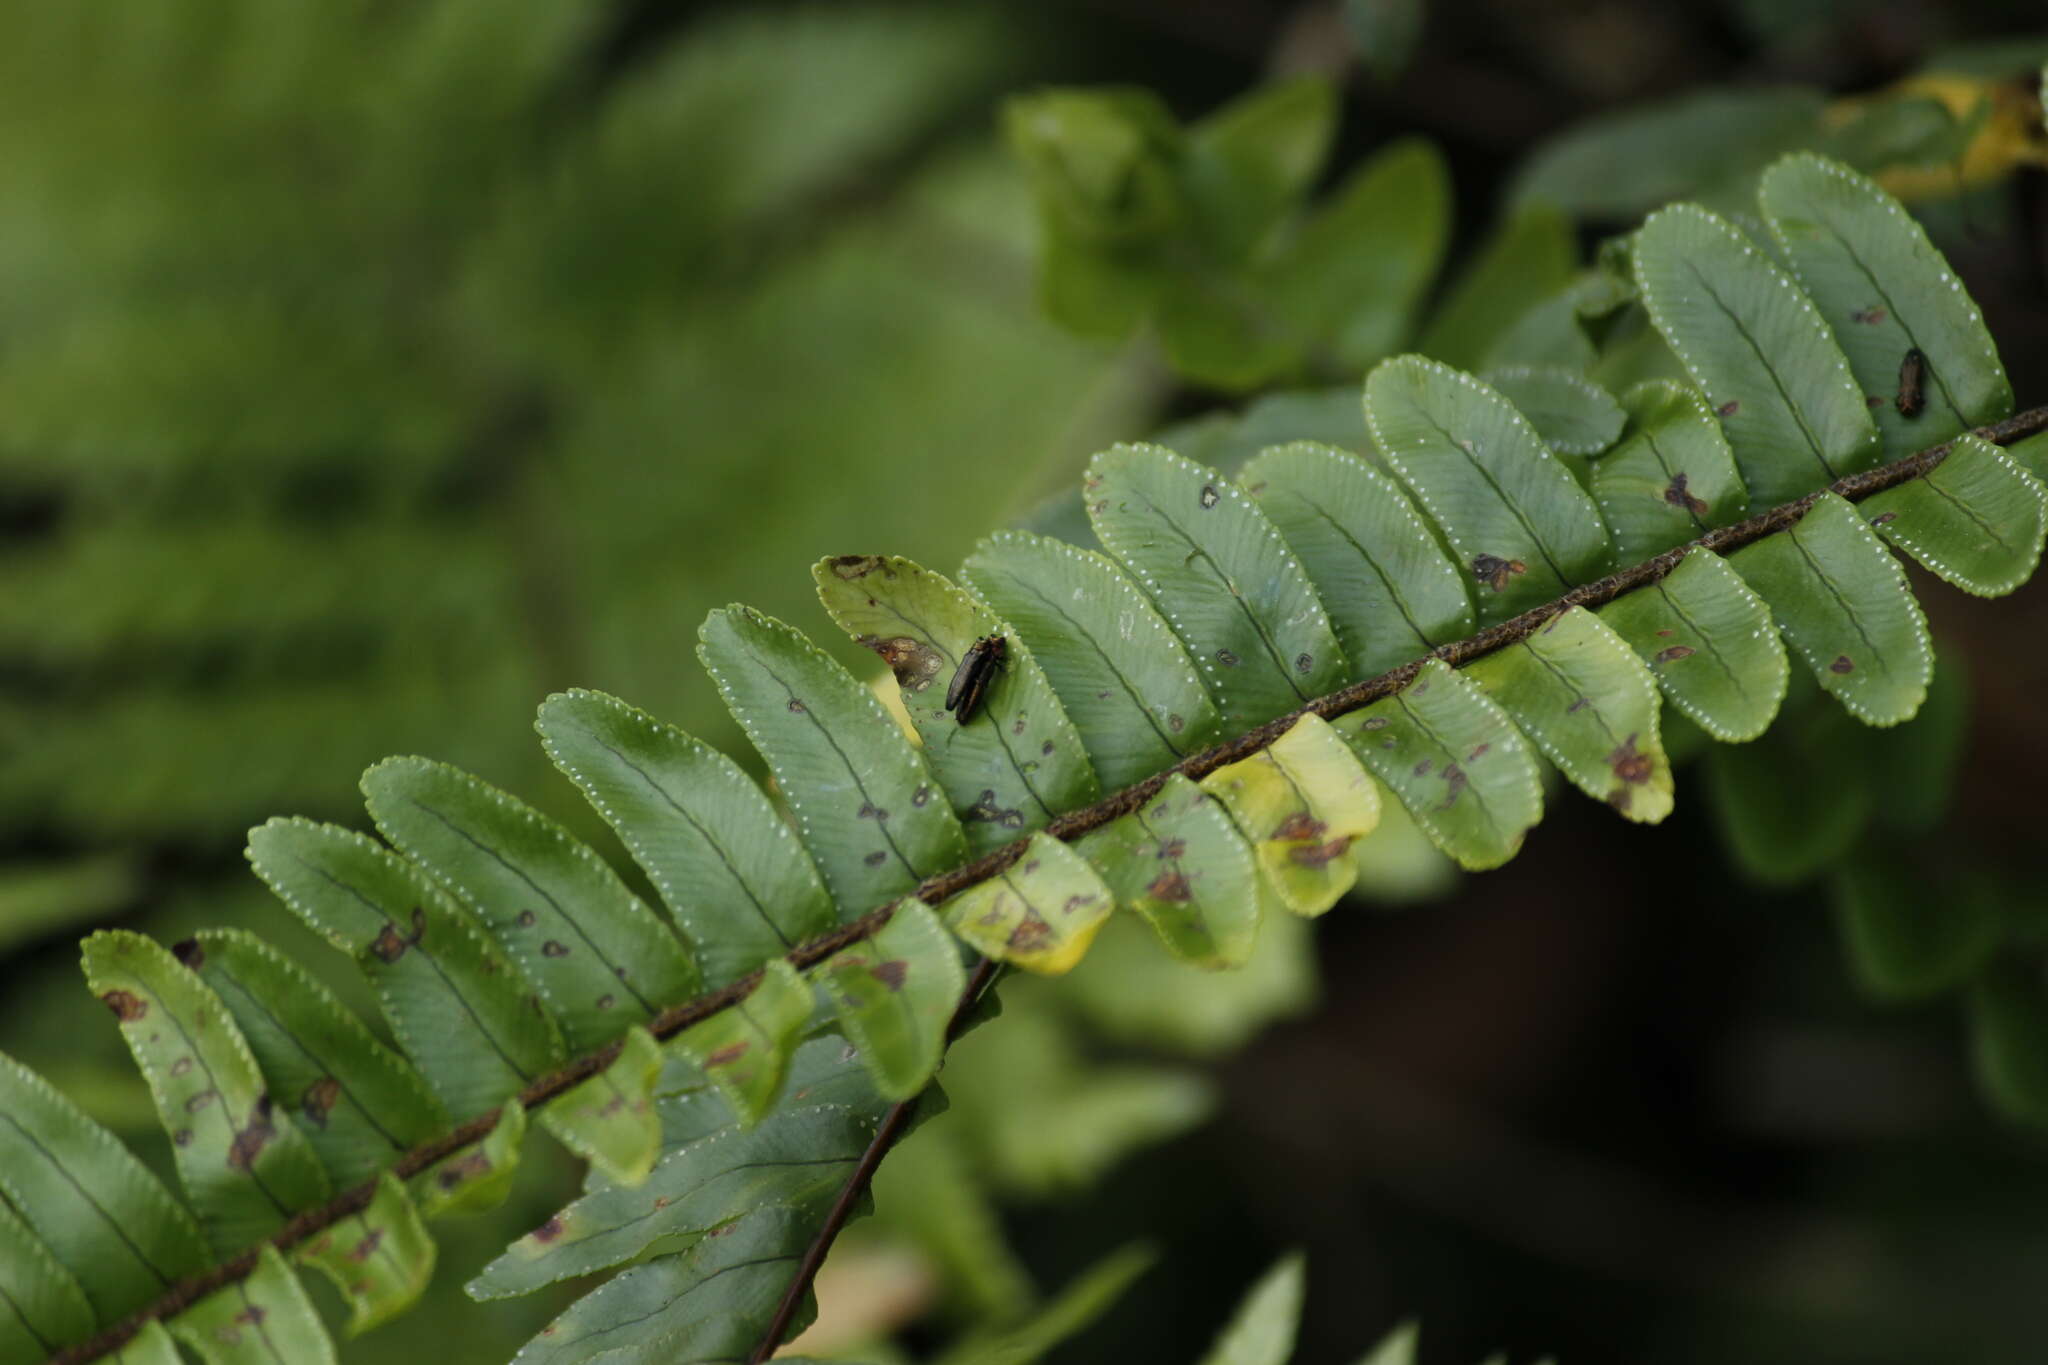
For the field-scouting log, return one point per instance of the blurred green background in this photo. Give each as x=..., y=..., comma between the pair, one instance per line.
x=370, y=370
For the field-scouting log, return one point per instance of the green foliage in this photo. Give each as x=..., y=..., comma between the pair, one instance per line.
x=518, y=971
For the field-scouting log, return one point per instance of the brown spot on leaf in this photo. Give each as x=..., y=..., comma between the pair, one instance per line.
x=1478, y=751
x=389, y=945
x=1630, y=765
x=870, y=811
x=920, y=796
x=1882, y=517
x=181, y=1066
x=367, y=1247
x=1226, y=658
x=126, y=1005
x=254, y=1315
x=986, y=809
x=470, y=1166
x=554, y=948
x=1170, y=885
x=1173, y=848
x=1299, y=825
x=605, y=1002
x=728, y=1054
x=914, y=662
x=1373, y=723
x=796, y=707
x=851, y=567
x=1868, y=315
x=317, y=1101
x=1728, y=409
x=891, y=973
x=548, y=1231
x=1455, y=783
x=1175, y=723
x=195, y=1103
x=1581, y=704
x=1304, y=662
x=527, y=919
x=1319, y=855
x=183, y=1137
x=1422, y=768
x=1842, y=664
x=1875, y=400
x=1045, y=749
x=877, y=858
x=190, y=953
x=1495, y=572
x=251, y=1140
x=1674, y=654
x=1029, y=934
x=1678, y=495
x=1209, y=496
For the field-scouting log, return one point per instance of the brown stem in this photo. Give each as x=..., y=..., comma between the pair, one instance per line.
x=1071, y=825
x=886, y=1136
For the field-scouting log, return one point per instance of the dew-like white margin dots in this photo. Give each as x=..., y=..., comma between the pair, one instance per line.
x=1903, y=534
x=945, y=843
x=625, y=917
x=1583, y=558
x=1585, y=388
x=1921, y=649
x=969, y=759
x=1284, y=599
x=1718, y=231
x=1928, y=265
x=453, y=917
x=1349, y=490
x=1034, y=559
x=730, y=782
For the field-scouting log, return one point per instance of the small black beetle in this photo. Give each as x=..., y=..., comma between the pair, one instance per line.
x=1912, y=383
x=978, y=668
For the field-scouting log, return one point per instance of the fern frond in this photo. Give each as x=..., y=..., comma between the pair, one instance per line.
x=1254, y=668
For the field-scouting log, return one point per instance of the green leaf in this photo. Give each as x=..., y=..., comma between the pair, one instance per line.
x=1574, y=416
x=1976, y=520
x=246, y=1167
x=98, y=1210
x=1101, y=162
x=730, y=868
x=600, y=957
x=863, y=797
x=2009, y=1040
x=796, y=1159
x=1709, y=142
x=359, y=1104
x=1222, y=577
x=467, y=1017
x=1301, y=801
x=744, y=1050
x=1078, y=1305
x=895, y=995
x=1514, y=516
x=1529, y=257
x=150, y=1346
x=1791, y=803
x=1355, y=274
x=1772, y=373
x=264, y=1319
x=1251, y=162
x=1883, y=290
x=609, y=1120
x=1119, y=670
x=1912, y=931
x=1710, y=643
x=1131, y=991
x=927, y=1194
x=1920, y=759
x=1040, y=913
x=710, y=1302
x=2031, y=455
x=1457, y=763
x=1180, y=862
x=1398, y=1347
x=379, y=1257
x=1018, y=761
x=1262, y=1330
x=42, y=1306
x=1672, y=478
x=1579, y=691
x=1392, y=593
x=1845, y=607
x=477, y=1178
